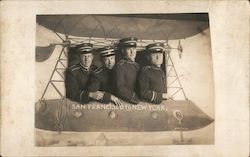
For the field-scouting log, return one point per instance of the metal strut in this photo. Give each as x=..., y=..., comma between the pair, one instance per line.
x=171, y=65
x=55, y=70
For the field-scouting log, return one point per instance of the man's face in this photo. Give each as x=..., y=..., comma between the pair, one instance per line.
x=130, y=53
x=87, y=59
x=156, y=58
x=109, y=62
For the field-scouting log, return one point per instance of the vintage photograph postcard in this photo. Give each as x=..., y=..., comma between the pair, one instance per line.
x=130, y=61
x=116, y=78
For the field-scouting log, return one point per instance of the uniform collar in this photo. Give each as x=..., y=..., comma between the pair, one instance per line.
x=155, y=67
x=129, y=61
x=83, y=68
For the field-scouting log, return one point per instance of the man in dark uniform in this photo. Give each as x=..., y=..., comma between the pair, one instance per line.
x=126, y=71
x=152, y=79
x=102, y=78
x=77, y=76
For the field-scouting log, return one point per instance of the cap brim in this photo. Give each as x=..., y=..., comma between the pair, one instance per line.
x=103, y=56
x=85, y=52
x=155, y=51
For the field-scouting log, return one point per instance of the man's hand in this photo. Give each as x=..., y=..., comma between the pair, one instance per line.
x=166, y=96
x=116, y=100
x=98, y=95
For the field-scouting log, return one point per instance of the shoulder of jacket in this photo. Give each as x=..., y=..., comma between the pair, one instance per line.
x=98, y=70
x=73, y=68
x=93, y=67
x=121, y=62
x=145, y=68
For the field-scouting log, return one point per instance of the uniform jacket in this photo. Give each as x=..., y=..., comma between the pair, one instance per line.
x=76, y=82
x=102, y=79
x=125, y=73
x=152, y=83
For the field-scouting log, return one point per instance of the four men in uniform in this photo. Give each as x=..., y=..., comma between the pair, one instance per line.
x=113, y=81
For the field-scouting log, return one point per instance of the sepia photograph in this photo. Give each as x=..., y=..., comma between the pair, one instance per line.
x=121, y=79
x=124, y=78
